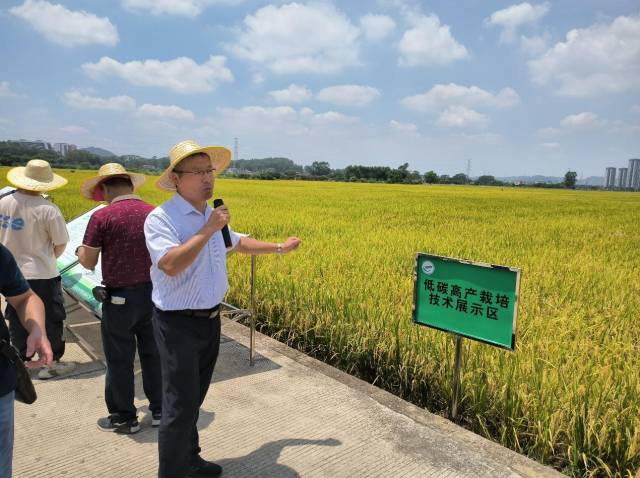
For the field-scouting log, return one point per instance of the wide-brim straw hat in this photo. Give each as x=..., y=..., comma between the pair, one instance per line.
x=37, y=176
x=89, y=187
x=219, y=155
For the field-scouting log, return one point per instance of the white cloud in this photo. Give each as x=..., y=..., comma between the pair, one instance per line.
x=623, y=127
x=5, y=91
x=376, y=27
x=349, y=95
x=403, y=127
x=550, y=145
x=281, y=119
x=441, y=96
x=291, y=94
x=429, y=43
x=74, y=129
x=575, y=123
x=332, y=117
x=296, y=38
x=478, y=138
x=261, y=113
x=461, y=117
x=66, y=27
x=535, y=45
x=592, y=62
x=182, y=75
x=581, y=121
x=548, y=132
x=512, y=17
x=165, y=112
x=115, y=103
x=187, y=8
x=257, y=78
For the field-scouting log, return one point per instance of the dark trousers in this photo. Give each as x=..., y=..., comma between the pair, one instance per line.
x=122, y=326
x=50, y=291
x=188, y=349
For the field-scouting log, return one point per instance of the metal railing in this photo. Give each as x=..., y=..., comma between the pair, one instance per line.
x=233, y=313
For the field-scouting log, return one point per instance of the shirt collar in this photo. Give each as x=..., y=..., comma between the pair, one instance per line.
x=185, y=207
x=124, y=197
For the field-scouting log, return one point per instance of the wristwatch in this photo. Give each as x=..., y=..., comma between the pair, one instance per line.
x=279, y=248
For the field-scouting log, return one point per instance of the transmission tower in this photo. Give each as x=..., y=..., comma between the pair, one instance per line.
x=235, y=149
x=468, y=170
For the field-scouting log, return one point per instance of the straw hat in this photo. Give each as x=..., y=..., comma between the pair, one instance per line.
x=106, y=171
x=35, y=176
x=219, y=155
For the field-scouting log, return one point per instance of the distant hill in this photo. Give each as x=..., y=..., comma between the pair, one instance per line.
x=590, y=181
x=98, y=151
x=265, y=164
x=532, y=179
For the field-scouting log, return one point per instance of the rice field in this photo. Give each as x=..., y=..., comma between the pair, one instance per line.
x=569, y=396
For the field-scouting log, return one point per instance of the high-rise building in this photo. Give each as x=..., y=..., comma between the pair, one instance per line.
x=634, y=175
x=623, y=178
x=37, y=144
x=610, y=178
x=64, y=148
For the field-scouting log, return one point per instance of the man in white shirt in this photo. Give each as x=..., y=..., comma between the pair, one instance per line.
x=189, y=275
x=35, y=232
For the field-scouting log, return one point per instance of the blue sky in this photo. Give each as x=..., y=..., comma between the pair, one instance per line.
x=517, y=88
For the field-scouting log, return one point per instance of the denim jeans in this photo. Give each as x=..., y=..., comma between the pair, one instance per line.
x=6, y=434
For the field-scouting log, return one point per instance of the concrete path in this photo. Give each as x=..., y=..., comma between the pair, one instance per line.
x=287, y=416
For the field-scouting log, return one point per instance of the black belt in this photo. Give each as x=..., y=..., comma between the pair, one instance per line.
x=199, y=313
x=140, y=285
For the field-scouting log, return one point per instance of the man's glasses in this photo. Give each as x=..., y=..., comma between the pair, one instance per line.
x=200, y=174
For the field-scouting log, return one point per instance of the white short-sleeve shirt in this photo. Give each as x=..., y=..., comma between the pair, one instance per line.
x=30, y=226
x=204, y=283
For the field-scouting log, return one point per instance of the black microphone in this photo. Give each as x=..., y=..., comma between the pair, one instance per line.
x=225, y=230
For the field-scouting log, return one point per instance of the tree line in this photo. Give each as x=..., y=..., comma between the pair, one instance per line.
x=16, y=154
x=13, y=153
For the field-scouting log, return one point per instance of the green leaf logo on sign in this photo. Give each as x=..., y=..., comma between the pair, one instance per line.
x=428, y=267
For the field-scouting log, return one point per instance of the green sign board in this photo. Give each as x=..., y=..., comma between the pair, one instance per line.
x=470, y=299
x=79, y=284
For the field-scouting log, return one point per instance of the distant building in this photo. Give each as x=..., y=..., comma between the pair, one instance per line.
x=623, y=178
x=64, y=148
x=633, y=182
x=240, y=171
x=610, y=178
x=37, y=144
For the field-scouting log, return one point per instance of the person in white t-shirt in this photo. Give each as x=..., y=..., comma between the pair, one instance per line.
x=35, y=232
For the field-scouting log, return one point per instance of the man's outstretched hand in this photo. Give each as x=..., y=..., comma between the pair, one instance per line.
x=291, y=244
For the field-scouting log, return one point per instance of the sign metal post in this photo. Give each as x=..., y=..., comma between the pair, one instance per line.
x=456, y=379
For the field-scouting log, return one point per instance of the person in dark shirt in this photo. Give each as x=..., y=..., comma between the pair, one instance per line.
x=30, y=310
x=116, y=232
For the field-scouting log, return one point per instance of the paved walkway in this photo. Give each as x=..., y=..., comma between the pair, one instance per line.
x=287, y=416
